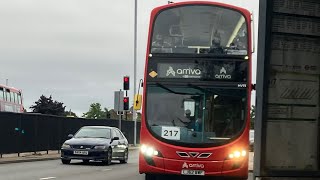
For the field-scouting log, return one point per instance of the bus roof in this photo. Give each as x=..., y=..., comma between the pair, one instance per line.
x=10, y=88
x=159, y=8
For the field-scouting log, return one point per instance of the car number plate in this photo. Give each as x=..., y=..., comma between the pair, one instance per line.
x=192, y=172
x=81, y=152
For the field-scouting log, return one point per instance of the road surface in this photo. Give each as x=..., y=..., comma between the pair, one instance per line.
x=53, y=169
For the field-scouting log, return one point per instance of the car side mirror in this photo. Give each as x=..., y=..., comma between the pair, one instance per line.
x=115, y=138
x=70, y=136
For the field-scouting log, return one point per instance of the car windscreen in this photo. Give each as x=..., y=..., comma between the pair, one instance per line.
x=93, y=133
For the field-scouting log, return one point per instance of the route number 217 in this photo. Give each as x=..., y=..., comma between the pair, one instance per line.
x=172, y=133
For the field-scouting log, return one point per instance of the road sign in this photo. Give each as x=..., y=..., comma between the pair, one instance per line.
x=118, y=100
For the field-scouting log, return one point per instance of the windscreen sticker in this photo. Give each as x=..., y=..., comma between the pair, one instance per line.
x=153, y=74
x=172, y=133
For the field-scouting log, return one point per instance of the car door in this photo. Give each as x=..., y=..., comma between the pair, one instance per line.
x=125, y=141
x=122, y=142
x=115, y=145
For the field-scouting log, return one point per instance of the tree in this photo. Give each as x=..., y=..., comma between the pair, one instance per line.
x=95, y=112
x=46, y=105
x=252, y=116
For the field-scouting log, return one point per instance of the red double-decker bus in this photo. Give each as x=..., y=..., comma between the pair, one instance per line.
x=10, y=99
x=197, y=86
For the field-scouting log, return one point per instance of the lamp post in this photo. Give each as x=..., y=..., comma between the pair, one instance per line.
x=135, y=68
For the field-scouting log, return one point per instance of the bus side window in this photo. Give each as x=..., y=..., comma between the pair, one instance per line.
x=19, y=99
x=1, y=94
x=12, y=97
x=8, y=99
x=15, y=95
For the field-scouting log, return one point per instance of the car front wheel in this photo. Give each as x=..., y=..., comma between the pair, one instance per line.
x=109, y=157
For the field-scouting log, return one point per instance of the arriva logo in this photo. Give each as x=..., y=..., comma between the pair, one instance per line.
x=187, y=71
x=192, y=165
x=223, y=70
x=171, y=71
x=185, y=165
x=223, y=74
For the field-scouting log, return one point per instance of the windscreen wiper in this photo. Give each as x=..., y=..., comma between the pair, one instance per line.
x=220, y=92
x=170, y=90
x=197, y=87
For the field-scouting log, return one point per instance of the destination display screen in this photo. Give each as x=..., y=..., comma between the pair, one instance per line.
x=220, y=70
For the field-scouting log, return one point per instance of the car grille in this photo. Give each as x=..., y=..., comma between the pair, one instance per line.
x=82, y=146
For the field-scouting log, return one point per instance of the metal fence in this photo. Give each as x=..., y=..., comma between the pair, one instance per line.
x=35, y=132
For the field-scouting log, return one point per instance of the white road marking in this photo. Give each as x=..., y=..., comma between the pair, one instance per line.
x=106, y=169
x=47, y=178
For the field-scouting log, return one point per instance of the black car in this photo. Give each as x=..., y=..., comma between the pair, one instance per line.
x=98, y=143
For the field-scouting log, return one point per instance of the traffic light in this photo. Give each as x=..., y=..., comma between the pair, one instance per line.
x=126, y=85
x=126, y=103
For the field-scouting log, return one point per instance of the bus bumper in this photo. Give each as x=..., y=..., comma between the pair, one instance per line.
x=226, y=168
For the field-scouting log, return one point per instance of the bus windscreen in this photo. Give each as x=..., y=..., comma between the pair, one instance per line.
x=195, y=114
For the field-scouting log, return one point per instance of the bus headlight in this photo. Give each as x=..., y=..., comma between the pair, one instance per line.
x=149, y=151
x=237, y=154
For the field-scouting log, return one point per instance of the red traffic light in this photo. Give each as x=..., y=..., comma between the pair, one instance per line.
x=126, y=103
x=126, y=85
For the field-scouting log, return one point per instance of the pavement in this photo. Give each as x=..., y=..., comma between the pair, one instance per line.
x=53, y=155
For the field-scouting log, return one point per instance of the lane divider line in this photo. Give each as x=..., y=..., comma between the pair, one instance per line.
x=46, y=178
x=106, y=169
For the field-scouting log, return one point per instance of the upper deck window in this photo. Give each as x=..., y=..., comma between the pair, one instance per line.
x=12, y=97
x=8, y=97
x=19, y=99
x=1, y=94
x=200, y=29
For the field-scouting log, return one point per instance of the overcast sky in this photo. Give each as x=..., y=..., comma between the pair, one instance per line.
x=75, y=50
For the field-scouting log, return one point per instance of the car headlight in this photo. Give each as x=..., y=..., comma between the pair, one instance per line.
x=64, y=145
x=149, y=151
x=100, y=147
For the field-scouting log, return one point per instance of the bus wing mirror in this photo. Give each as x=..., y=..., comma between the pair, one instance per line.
x=253, y=86
x=137, y=102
